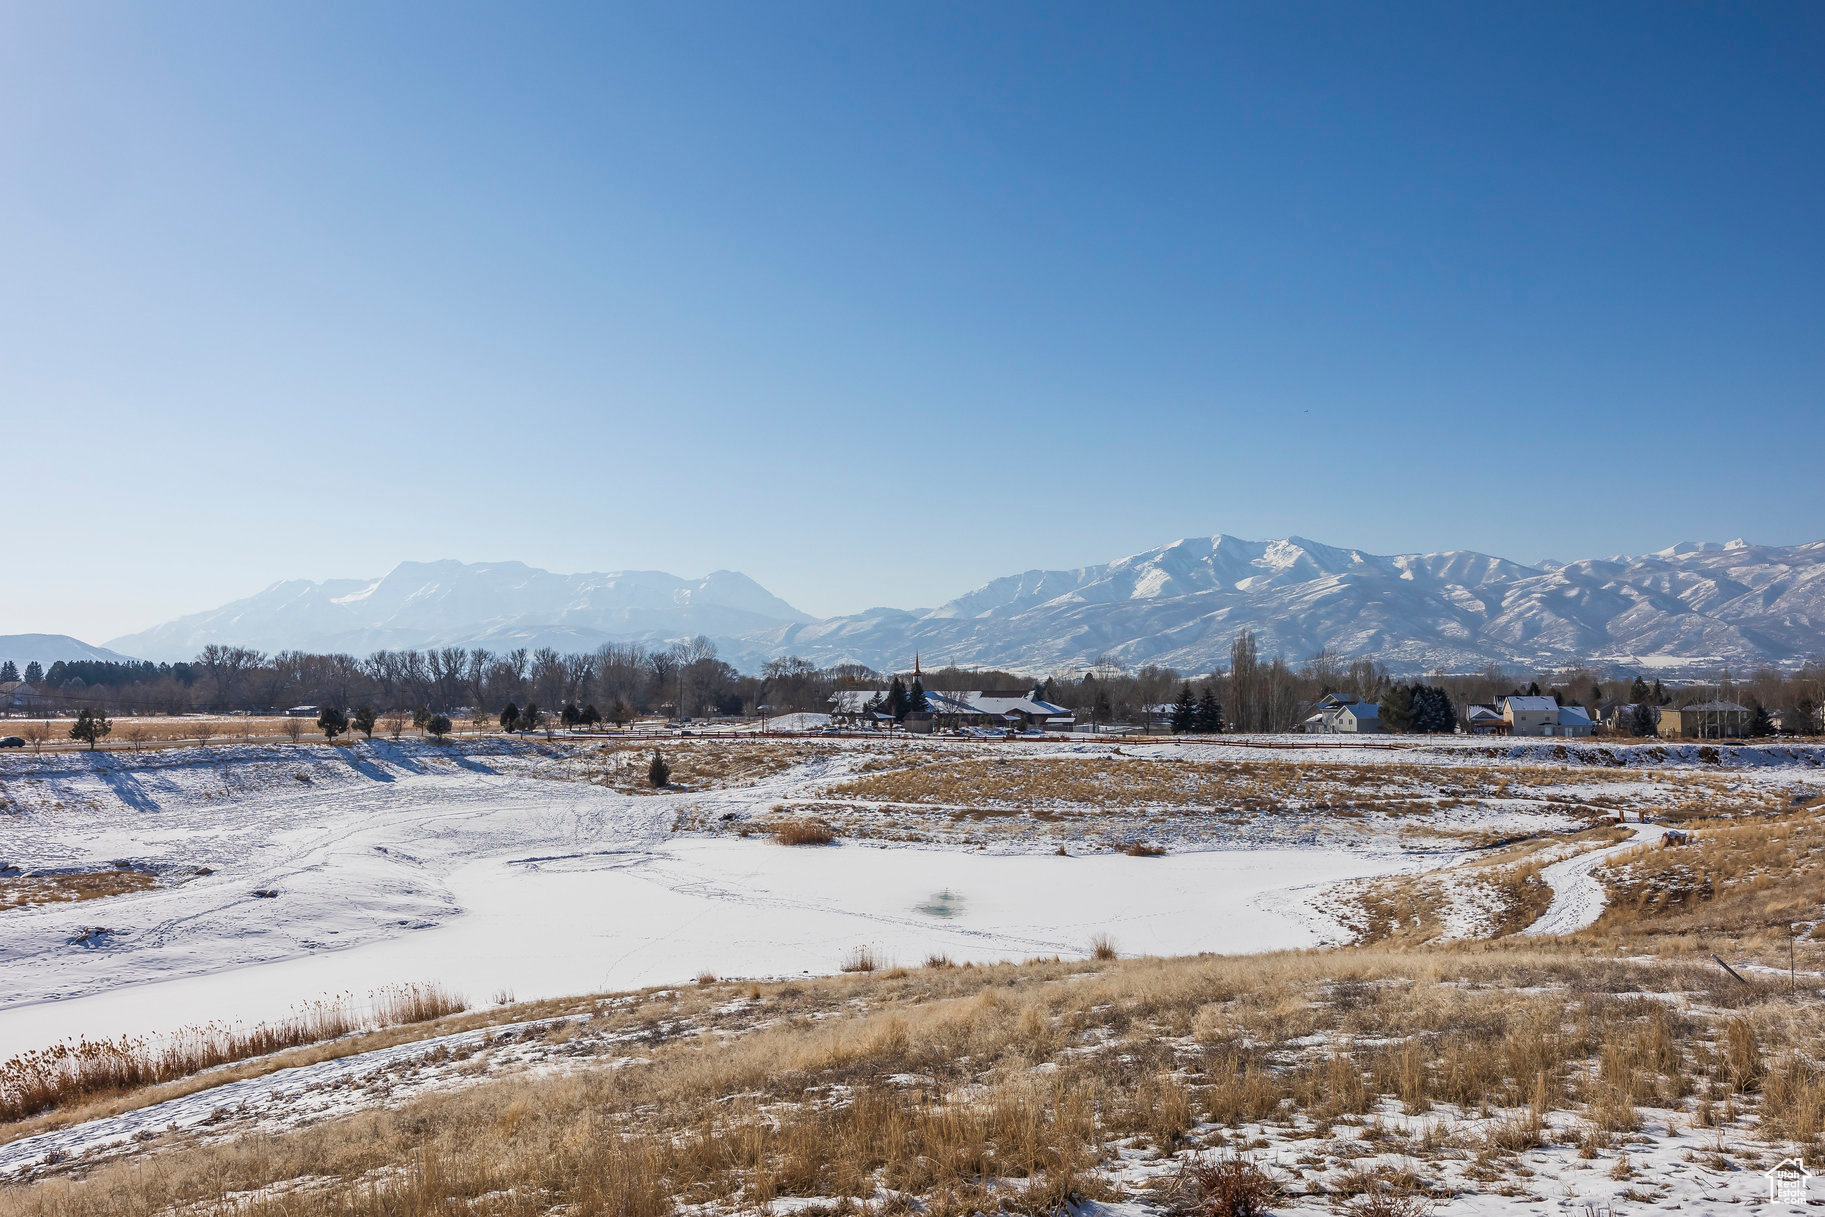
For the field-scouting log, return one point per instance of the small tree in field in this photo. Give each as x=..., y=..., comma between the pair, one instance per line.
x=35, y=734
x=91, y=727
x=332, y=722
x=659, y=773
x=293, y=728
x=439, y=726
x=204, y=732
x=510, y=717
x=396, y=725
x=135, y=734
x=365, y=721
x=421, y=718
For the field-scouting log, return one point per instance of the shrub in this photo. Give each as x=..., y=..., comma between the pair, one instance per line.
x=803, y=832
x=1102, y=947
x=1141, y=849
x=659, y=773
x=862, y=959
x=1234, y=1187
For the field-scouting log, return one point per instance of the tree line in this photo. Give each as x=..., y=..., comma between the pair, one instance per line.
x=621, y=681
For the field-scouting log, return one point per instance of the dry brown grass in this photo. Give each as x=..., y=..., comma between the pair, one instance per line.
x=746, y=1092
x=22, y=891
x=860, y=959
x=698, y=764
x=37, y=1082
x=1401, y=788
x=1745, y=880
x=802, y=832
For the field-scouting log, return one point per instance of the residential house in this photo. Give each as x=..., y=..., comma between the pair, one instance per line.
x=1705, y=720
x=1014, y=708
x=1342, y=714
x=1484, y=720
x=1575, y=721
x=17, y=697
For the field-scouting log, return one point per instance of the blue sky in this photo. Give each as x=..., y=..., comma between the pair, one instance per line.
x=875, y=303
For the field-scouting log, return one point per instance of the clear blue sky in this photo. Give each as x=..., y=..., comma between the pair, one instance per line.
x=876, y=302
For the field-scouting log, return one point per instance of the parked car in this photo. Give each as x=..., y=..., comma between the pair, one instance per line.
x=12, y=741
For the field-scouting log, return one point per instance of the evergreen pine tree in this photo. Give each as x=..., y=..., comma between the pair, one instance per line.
x=915, y=697
x=34, y=672
x=1209, y=718
x=1660, y=694
x=1802, y=719
x=1433, y=713
x=1397, y=709
x=1638, y=691
x=365, y=720
x=332, y=722
x=91, y=726
x=1759, y=723
x=510, y=715
x=1184, y=711
x=1641, y=720
x=8, y=673
x=659, y=773
x=896, y=700
x=1533, y=689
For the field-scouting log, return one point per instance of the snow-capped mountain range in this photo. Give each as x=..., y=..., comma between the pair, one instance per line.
x=499, y=605
x=1689, y=606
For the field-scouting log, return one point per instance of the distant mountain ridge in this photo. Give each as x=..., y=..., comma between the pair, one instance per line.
x=47, y=649
x=1687, y=606
x=499, y=605
x=1690, y=605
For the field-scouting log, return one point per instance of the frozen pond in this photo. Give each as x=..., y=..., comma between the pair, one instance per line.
x=547, y=924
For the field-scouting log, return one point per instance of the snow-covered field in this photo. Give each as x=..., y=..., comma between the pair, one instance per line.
x=482, y=868
x=287, y=874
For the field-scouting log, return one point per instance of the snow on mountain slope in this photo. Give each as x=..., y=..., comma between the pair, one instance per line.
x=502, y=604
x=47, y=649
x=1182, y=604
x=1691, y=604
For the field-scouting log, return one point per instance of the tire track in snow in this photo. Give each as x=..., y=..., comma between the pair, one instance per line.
x=1578, y=898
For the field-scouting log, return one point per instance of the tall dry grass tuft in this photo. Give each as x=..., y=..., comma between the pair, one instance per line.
x=803, y=832
x=860, y=959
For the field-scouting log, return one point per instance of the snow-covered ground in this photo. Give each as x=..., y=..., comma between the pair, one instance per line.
x=472, y=867
x=287, y=874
